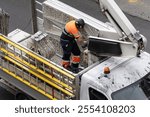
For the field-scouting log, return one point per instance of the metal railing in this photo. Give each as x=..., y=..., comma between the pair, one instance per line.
x=4, y=22
x=38, y=7
x=37, y=14
x=36, y=71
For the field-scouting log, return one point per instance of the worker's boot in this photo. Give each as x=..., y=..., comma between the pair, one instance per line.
x=74, y=68
x=75, y=64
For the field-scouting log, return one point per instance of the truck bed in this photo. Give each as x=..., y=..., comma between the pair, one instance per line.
x=35, y=71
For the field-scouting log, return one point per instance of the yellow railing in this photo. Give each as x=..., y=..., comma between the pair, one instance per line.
x=57, y=78
x=27, y=83
x=36, y=56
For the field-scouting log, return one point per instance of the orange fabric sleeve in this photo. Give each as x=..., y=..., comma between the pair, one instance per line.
x=72, y=29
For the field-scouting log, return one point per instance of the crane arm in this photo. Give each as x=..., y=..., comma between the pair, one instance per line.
x=122, y=25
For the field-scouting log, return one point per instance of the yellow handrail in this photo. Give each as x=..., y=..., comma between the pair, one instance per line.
x=35, y=68
x=39, y=76
x=27, y=83
x=37, y=57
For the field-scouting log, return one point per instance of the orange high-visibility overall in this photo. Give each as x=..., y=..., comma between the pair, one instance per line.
x=69, y=45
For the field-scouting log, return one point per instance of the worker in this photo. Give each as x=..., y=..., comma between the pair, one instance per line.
x=69, y=45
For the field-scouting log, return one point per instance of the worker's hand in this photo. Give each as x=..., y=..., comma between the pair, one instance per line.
x=86, y=51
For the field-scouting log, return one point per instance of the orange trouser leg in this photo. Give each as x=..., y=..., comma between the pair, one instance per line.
x=75, y=61
x=65, y=64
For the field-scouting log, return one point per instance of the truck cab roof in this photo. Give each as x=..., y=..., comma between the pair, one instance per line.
x=123, y=72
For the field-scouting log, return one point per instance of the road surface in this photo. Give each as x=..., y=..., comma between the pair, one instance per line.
x=20, y=17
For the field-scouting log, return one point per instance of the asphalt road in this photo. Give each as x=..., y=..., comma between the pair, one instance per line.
x=20, y=17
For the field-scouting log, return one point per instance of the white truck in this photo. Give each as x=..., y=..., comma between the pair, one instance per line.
x=115, y=65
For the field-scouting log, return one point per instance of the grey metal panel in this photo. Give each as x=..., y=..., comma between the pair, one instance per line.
x=56, y=12
x=26, y=89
